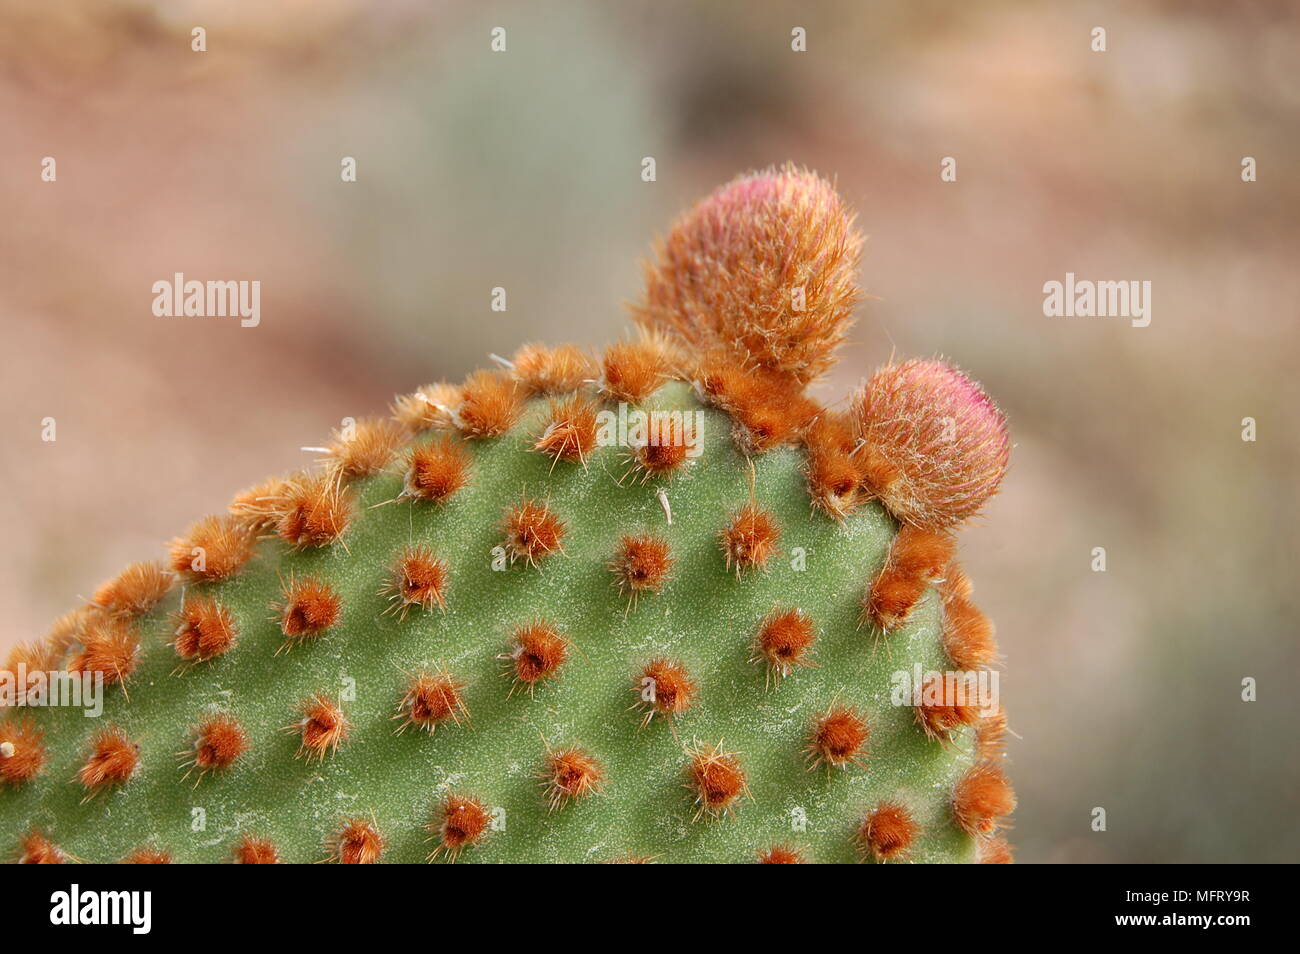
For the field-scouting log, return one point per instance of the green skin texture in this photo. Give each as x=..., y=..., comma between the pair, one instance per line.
x=705, y=618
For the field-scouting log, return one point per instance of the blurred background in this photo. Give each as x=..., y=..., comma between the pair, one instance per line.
x=522, y=169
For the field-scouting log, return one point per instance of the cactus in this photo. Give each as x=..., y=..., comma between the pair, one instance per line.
x=508, y=624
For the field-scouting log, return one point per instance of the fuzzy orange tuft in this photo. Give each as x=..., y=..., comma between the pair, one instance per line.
x=543, y=370
x=833, y=472
x=665, y=687
x=22, y=751
x=765, y=266
x=751, y=539
x=838, y=737
x=887, y=833
x=539, y=650
x=995, y=850
x=256, y=851
x=134, y=591
x=369, y=448
x=924, y=554
x=322, y=728
x=459, y=822
x=717, y=779
x=890, y=600
x=258, y=507
x=633, y=370
x=416, y=578
x=357, y=842
x=990, y=735
x=968, y=635
x=215, y=548
x=148, y=856
x=38, y=655
x=431, y=699
x=955, y=583
x=940, y=443
x=436, y=470
x=570, y=774
x=982, y=798
x=310, y=606
x=642, y=564
x=947, y=705
x=113, y=759
x=64, y=632
x=314, y=511
x=659, y=460
x=205, y=629
x=781, y=855
x=532, y=532
x=426, y=407
x=35, y=848
x=917, y=558
x=490, y=404
x=218, y=742
x=570, y=432
x=769, y=408
x=784, y=640
x=108, y=646
x=832, y=479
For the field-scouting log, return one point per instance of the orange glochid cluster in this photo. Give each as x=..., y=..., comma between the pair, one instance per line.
x=459, y=822
x=490, y=404
x=750, y=540
x=533, y=532
x=215, y=548
x=538, y=651
x=781, y=855
x=570, y=773
x=219, y=741
x=308, y=607
x=22, y=751
x=205, y=629
x=431, y=699
x=717, y=779
x=838, y=738
x=887, y=833
x=148, y=856
x=784, y=641
x=314, y=511
x=570, y=433
x=633, y=370
x=134, y=591
x=664, y=687
x=917, y=558
x=109, y=646
x=364, y=449
x=641, y=564
x=322, y=728
x=982, y=798
x=416, y=578
x=436, y=470
x=543, y=370
x=358, y=841
x=251, y=850
x=112, y=761
x=35, y=848
x=427, y=407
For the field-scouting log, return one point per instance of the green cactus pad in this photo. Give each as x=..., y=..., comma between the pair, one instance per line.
x=705, y=618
